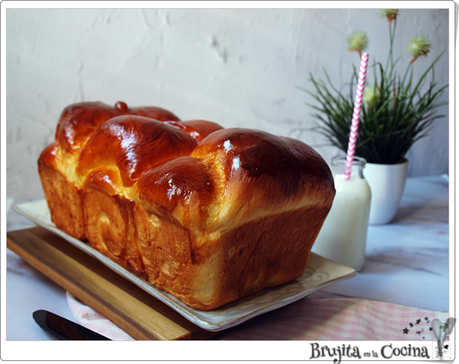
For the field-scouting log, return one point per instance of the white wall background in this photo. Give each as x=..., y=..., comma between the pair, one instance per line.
x=237, y=67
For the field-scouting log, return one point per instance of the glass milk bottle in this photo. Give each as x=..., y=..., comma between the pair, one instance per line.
x=343, y=236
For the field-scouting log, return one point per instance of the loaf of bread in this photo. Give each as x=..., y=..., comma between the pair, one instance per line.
x=205, y=213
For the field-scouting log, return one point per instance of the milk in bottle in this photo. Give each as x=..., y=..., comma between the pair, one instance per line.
x=344, y=233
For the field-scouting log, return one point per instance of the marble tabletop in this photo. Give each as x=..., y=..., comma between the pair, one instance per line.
x=407, y=263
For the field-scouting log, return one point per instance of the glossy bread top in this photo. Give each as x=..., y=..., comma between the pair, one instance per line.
x=194, y=172
x=79, y=121
x=134, y=144
x=264, y=174
x=249, y=155
x=197, y=129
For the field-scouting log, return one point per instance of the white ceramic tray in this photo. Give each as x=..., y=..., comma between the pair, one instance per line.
x=319, y=273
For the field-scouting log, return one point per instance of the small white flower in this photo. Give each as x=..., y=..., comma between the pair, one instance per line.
x=390, y=14
x=370, y=96
x=419, y=47
x=358, y=42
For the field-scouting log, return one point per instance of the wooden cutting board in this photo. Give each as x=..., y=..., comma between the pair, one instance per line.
x=129, y=307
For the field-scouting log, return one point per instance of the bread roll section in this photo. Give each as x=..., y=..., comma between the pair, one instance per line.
x=205, y=213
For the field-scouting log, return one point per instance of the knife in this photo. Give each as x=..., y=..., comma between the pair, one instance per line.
x=64, y=329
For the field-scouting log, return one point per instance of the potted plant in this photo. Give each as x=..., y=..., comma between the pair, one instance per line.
x=397, y=111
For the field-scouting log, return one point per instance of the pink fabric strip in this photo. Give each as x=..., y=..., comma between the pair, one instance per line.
x=307, y=319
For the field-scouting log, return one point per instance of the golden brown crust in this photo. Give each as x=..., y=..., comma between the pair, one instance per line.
x=264, y=174
x=63, y=196
x=180, y=189
x=79, y=121
x=134, y=144
x=205, y=213
x=197, y=129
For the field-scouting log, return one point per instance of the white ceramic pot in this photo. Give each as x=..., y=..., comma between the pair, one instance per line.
x=387, y=182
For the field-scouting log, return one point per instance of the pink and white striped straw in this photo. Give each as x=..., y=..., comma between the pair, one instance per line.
x=356, y=117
